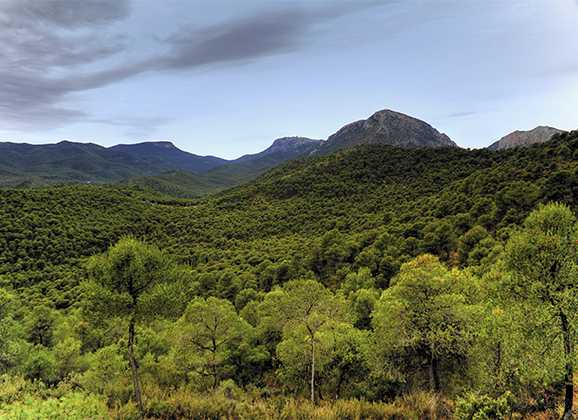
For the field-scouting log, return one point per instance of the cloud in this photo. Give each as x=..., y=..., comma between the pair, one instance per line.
x=51, y=49
x=41, y=38
x=68, y=13
x=462, y=114
x=264, y=34
x=257, y=36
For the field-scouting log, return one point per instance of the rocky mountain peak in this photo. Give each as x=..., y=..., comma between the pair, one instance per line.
x=520, y=138
x=389, y=128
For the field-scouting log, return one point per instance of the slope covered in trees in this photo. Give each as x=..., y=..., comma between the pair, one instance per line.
x=236, y=172
x=374, y=273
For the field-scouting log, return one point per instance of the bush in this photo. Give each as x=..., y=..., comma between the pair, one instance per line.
x=13, y=388
x=74, y=406
x=483, y=407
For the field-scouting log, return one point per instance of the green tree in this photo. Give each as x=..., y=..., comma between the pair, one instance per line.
x=6, y=300
x=423, y=318
x=205, y=335
x=303, y=309
x=128, y=281
x=468, y=242
x=339, y=358
x=542, y=259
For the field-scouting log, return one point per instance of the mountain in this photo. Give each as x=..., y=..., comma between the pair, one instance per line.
x=387, y=128
x=525, y=138
x=382, y=128
x=159, y=156
x=236, y=172
x=67, y=161
x=164, y=168
x=283, y=149
x=248, y=167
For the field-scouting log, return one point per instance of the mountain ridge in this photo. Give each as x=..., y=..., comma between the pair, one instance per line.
x=67, y=161
x=163, y=167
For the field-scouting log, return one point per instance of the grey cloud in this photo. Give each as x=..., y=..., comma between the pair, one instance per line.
x=257, y=36
x=69, y=14
x=40, y=38
x=36, y=35
x=37, y=45
x=264, y=34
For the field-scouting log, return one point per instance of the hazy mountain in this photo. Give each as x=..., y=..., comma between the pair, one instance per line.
x=192, y=175
x=233, y=173
x=161, y=156
x=525, y=138
x=283, y=149
x=387, y=128
x=85, y=162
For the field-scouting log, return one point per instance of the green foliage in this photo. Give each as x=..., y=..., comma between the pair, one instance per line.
x=107, y=373
x=483, y=407
x=205, y=336
x=423, y=318
x=127, y=279
x=6, y=304
x=73, y=406
x=311, y=278
x=543, y=261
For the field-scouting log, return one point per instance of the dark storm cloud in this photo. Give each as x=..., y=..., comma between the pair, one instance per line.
x=47, y=47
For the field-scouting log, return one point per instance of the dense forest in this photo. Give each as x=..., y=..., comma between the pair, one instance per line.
x=375, y=282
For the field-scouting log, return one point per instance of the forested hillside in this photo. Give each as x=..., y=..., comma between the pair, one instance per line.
x=410, y=283
x=236, y=172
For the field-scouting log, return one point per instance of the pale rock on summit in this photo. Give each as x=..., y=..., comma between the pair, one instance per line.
x=525, y=138
x=388, y=128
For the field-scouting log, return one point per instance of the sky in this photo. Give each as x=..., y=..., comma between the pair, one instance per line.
x=227, y=77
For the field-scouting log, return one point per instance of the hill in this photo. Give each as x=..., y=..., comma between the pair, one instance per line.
x=382, y=128
x=525, y=138
x=423, y=199
x=236, y=172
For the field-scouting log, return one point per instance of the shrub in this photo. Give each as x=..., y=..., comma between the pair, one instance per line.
x=483, y=407
x=16, y=388
x=74, y=406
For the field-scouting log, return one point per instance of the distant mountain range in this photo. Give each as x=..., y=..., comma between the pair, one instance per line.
x=232, y=173
x=86, y=162
x=162, y=167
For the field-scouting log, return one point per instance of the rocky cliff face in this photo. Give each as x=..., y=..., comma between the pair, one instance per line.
x=525, y=138
x=389, y=128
